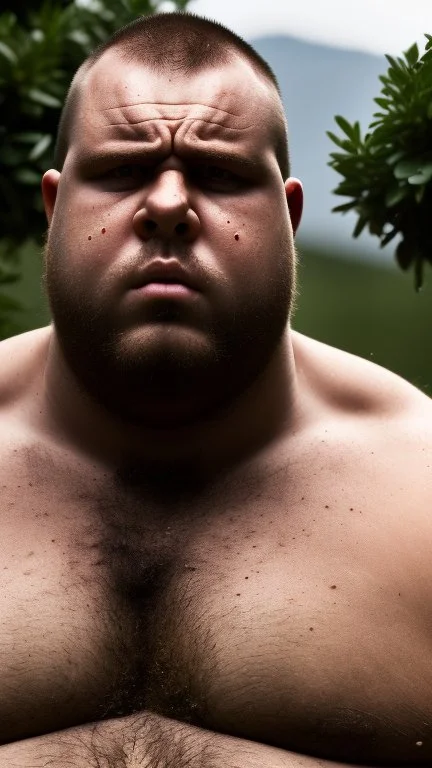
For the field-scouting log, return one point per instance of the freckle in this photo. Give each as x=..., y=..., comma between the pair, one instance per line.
x=333, y=586
x=351, y=509
x=53, y=540
x=236, y=237
x=103, y=230
x=228, y=222
x=238, y=594
x=310, y=629
x=327, y=506
x=89, y=237
x=246, y=577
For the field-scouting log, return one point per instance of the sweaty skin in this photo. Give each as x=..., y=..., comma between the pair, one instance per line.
x=216, y=532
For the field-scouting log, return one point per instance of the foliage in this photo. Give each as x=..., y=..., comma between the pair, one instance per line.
x=41, y=46
x=388, y=173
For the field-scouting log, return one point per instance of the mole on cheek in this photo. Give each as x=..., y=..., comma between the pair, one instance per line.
x=103, y=230
x=89, y=237
x=236, y=237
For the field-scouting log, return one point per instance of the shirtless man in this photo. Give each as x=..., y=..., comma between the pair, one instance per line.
x=216, y=532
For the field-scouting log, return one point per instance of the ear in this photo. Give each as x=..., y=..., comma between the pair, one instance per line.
x=294, y=196
x=50, y=182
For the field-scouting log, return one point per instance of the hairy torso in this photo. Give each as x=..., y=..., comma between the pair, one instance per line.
x=287, y=601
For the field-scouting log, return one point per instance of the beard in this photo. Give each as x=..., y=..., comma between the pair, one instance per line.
x=175, y=368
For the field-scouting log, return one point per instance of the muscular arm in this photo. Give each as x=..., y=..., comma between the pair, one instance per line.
x=149, y=741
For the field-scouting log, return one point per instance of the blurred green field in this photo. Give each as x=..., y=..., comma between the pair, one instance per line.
x=371, y=311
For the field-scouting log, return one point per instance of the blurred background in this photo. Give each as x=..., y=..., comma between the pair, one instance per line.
x=327, y=58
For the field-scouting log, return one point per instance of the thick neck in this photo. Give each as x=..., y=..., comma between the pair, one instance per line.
x=268, y=409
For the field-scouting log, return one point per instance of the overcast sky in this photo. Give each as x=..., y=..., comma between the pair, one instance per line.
x=378, y=26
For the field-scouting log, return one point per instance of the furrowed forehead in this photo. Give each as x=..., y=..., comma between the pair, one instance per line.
x=113, y=74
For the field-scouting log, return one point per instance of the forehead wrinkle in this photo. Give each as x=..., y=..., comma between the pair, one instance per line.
x=183, y=120
x=172, y=104
x=150, y=111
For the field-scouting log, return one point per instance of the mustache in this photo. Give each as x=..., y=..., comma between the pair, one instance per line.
x=183, y=253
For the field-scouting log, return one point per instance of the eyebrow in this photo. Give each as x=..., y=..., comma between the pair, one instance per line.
x=216, y=156
x=189, y=154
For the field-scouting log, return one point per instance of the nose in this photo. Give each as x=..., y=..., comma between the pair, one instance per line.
x=166, y=212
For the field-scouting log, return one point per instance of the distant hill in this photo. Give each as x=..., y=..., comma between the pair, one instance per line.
x=318, y=82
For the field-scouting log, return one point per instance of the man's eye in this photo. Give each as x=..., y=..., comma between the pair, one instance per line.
x=217, y=177
x=214, y=172
x=125, y=176
x=130, y=171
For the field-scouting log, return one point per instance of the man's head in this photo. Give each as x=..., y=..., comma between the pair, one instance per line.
x=174, y=42
x=170, y=263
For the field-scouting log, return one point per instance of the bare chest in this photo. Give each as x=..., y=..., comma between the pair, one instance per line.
x=278, y=615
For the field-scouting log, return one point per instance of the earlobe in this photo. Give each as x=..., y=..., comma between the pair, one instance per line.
x=294, y=196
x=50, y=182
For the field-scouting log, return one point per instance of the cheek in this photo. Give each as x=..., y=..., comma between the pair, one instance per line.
x=258, y=220
x=88, y=229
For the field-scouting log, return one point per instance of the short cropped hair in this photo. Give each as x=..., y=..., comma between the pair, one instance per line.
x=175, y=42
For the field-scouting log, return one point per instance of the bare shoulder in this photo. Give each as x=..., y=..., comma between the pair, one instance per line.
x=21, y=359
x=365, y=394
x=376, y=438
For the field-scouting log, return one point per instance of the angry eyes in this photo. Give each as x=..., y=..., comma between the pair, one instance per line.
x=212, y=177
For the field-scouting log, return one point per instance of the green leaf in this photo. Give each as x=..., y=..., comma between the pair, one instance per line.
x=29, y=137
x=423, y=176
x=407, y=168
x=27, y=176
x=404, y=255
x=412, y=54
x=46, y=99
x=342, y=143
x=41, y=146
x=357, y=133
x=359, y=227
x=80, y=37
x=346, y=127
x=345, y=207
x=390, y=236
x=393, y=159
x=8, y=53
x=384, y=103
x=419, y=193
x=396, y=195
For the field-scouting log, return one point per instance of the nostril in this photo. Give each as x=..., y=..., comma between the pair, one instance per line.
x=150, y=225
x=181, y=228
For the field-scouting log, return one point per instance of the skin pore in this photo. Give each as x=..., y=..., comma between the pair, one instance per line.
x=178, y=173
